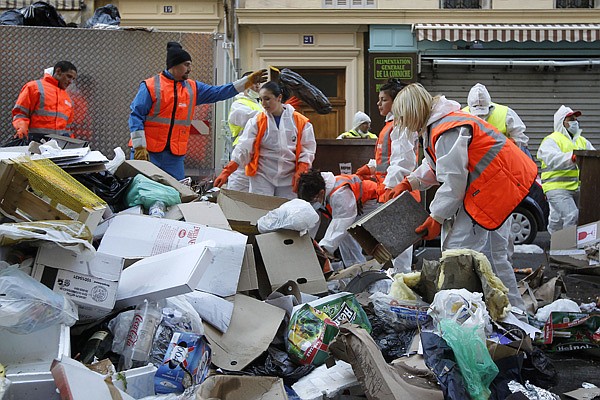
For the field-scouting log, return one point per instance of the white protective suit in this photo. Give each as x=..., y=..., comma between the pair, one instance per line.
x=480, y=104
x=277, y=161
x=343, y=214
x=403, y=161
x=459, y=231
x=240, y=114
x=563, y=203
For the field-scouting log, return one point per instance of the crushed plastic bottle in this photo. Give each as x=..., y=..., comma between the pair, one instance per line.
x=157, y=209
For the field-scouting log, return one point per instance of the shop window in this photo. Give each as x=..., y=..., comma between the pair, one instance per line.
x=574, y=3
x=461, y=4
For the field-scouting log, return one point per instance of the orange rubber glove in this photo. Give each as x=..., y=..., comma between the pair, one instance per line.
x=398, y=190
x=574, y=158
x=22, y=129
x=300, y=169
x=364, y=172
x=430, y=229
x=227, y=170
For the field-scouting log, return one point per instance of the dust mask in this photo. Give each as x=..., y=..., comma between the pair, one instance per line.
x=573, y=127
x=252, y=94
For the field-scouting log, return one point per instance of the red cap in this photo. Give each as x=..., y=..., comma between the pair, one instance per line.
x=575, y=113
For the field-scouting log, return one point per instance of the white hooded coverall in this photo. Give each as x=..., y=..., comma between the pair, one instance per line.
x=450, y=171
x=563, y=203
x=277, y=161
x=240, y=114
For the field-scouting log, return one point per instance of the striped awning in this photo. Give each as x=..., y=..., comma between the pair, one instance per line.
x=507, y=32
x=58, y=4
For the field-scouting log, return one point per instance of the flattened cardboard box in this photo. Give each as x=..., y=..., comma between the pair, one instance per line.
x=285, y=256
x=131, y=168
x=244, y=209
x=392, y=225
x=567, y=245
x=248, y=279
x=229, y=387
x=92, y=285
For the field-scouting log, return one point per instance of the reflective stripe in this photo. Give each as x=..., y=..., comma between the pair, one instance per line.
x=19, y=116
x=572, y=167
x=48, y=131
x=566, y=178
x=42, y=93
x=158, y=97
x=385, y=152
x=21, y=108
x=168, y=121
x=191, y=105
x=54, y=114
x=561, y=179
x=491, y=154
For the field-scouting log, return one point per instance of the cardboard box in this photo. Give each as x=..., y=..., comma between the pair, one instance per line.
x=391, y=225
x=244, y=209
x=140, y=381
x=205, y=213
x=131, y=168
x=567, y=331
x=285, y=256
x=75, y=381
x=160, y=235
x=253, y=326
x=248, y=278
x=27, y=360
x=92, y=285
x=164, y=275
x=187, y=350
x=567, y=245
x=230, y=387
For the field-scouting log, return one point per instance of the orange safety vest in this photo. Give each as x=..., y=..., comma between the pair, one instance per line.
x=363, y=190
x=43, y=107
x=500, y=174
x=170, y=117
x=261, y=123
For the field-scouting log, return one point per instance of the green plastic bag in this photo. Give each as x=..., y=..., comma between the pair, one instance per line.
x=145, y=191
x=309, y=334
x=472, y=356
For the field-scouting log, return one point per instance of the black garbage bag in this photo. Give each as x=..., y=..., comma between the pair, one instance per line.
x=392, y=343
x=439, y=358
x=15, y=141
x=41, y=13
x=106, y=186
x=305, y=90
x=11, y=17
x=509, y=370
x=106, y=15
x=275, y=362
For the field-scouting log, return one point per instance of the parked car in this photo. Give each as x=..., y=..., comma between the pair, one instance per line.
x=531, y=215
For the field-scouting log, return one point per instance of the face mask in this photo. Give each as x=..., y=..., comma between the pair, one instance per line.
x=253, y=94
x=573, y=127
x=316, y=205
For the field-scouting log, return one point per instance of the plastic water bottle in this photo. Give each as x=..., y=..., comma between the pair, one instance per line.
x=157, y=209
x=141, y=334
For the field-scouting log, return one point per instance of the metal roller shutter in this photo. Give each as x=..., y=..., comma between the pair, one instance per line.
x=534, y=93
x=64, y=5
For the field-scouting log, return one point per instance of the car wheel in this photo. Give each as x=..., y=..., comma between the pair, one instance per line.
x=523, y=227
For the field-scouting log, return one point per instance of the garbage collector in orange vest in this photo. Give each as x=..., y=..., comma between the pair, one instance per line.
x=276, y=147
x=395, y=152
x=44, y=107
x=482, y=175
x=344, y=199
x=162, y=110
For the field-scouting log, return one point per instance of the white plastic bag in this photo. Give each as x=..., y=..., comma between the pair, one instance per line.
x=564, y=305
x=119, y=159
x=462, y=306
x=27, y=306
x=297, y=215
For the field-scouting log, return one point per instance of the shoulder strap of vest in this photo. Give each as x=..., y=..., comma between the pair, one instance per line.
x=300, y=122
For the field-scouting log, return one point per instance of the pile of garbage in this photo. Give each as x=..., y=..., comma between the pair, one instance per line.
x=120, y=282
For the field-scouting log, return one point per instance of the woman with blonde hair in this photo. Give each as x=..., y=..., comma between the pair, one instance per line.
x=482, y=177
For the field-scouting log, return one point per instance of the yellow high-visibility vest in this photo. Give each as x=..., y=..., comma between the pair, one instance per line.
x=236, y=129
x=497, y=117
x=567, y=179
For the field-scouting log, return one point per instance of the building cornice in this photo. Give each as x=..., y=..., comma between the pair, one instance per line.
x=294, y=16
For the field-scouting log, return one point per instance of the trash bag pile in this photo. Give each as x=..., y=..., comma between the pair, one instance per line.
x=228, y=294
